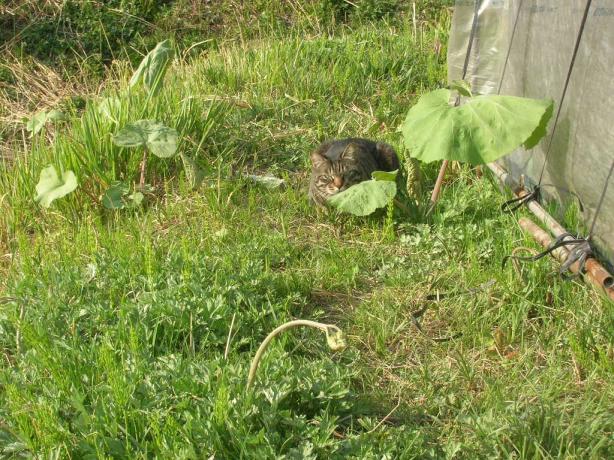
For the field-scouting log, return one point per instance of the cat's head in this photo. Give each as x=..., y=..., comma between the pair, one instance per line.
x=333, y=176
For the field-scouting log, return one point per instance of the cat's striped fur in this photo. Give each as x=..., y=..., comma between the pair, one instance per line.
x=339, y=164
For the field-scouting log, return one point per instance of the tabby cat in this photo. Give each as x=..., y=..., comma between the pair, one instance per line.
x=339, y=164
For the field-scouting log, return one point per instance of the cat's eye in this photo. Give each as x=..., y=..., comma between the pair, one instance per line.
x=325, y=178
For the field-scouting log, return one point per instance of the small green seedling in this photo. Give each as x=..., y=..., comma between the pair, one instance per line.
x=36, y=123
x=118, y=196
x=154, y=137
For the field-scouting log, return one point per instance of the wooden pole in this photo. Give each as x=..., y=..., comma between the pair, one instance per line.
x=437, y=188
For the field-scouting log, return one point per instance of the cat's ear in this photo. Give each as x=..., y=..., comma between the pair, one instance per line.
x=388, y=157
x=318, y=160
x=349, y=152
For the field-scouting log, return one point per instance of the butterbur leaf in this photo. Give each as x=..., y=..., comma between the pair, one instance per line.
x=132, y=135
x=479, y=131
x=385, y=175
x=113, y=196
x=365, y=197
x=56, y=115
x=39, y=119
x=152, y=68
x=50, y=186
x=159, y=139
x=162, y=141
x=463, y=88
x=36, y=122
x=118, y=196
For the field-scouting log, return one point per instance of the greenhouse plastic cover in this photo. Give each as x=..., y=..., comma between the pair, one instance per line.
x=540, y=54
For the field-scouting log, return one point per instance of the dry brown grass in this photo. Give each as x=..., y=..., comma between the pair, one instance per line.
x=34, y=86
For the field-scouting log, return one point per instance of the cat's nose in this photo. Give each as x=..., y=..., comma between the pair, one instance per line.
x=338, y=181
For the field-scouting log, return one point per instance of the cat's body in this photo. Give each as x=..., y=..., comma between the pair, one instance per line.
x=339, y=164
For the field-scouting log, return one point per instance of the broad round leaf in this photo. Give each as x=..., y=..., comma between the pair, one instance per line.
x=162, y=141
x=36, y=122
x=365, y=197
x=113, y=196
x=159, y=139
x=480, y=131
x=51, y=187
x=56, y=115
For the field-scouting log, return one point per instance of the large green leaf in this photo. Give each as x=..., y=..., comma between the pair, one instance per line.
x=152, y=68
x=51, y=187
x=365, y=197
x=481, y=130
x=159, y=139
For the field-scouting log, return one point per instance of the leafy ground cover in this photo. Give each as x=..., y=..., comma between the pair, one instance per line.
x=129, y=333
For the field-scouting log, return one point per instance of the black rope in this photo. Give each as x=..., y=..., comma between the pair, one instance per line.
x=567, y=79
x=446, y=295
x=509, y=48
x=511, y=205
x=580, y=248
x=416, y=315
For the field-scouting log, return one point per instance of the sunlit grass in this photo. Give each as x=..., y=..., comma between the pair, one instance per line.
x=129, y=334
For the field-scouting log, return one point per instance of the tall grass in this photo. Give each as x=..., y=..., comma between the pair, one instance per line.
x=257, y=103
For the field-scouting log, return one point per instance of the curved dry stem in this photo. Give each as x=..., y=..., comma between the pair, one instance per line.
x=326, y=328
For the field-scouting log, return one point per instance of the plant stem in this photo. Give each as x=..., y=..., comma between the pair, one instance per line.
x=265, y=343
x=143, y=165
x=437, y=189
x=399, y=204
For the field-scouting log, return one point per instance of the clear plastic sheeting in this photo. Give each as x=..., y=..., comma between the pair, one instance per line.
x=540, y=54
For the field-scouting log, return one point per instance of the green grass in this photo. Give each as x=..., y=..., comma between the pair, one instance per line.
x=130, y=334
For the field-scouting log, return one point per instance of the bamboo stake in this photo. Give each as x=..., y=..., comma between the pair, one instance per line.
x=438, y=183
